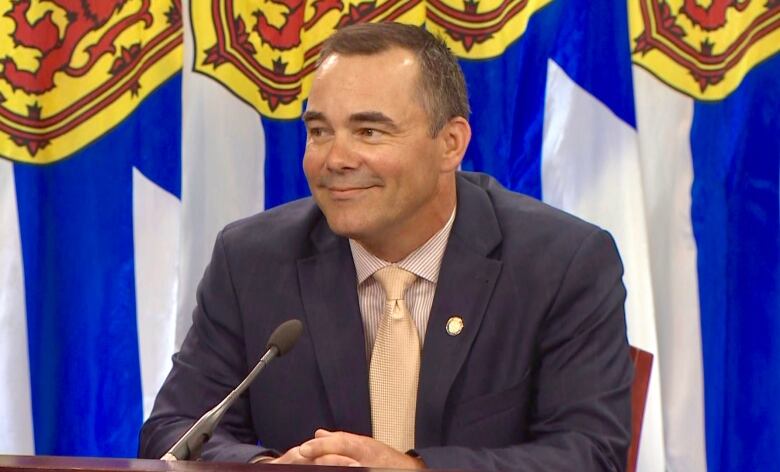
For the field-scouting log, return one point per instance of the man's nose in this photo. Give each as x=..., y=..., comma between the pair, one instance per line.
x=341, y=155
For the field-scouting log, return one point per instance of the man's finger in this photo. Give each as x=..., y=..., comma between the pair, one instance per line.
x=292, y=456
x=330, y=443
x=341, y=448
x=335, y=459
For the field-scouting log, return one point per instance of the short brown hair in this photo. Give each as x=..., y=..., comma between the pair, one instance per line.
x=442, y=87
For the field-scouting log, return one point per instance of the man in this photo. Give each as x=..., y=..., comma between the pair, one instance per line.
x=449, y=323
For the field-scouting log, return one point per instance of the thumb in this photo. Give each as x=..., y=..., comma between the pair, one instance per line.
x=322, y=433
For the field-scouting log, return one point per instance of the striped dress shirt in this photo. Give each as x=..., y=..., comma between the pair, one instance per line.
x=424, y=262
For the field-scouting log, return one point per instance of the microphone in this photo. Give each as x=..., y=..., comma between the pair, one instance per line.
x=188, y=447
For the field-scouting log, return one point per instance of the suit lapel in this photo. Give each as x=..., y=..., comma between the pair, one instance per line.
x=328, y=287
x=466, y=282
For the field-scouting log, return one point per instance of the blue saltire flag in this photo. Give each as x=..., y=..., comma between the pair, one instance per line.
x=90, y=133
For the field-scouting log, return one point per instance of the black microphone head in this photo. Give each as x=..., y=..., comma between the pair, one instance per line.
x=285, y=336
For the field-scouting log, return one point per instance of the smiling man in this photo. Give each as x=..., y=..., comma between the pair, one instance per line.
x=379, y=170
x=449, y=323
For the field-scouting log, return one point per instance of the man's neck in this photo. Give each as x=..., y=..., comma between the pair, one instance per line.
x=398, y=247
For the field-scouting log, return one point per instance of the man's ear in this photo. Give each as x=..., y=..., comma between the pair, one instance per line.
x=455, y=137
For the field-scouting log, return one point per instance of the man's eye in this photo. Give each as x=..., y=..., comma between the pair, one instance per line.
x=370, y=132
x=315, y=132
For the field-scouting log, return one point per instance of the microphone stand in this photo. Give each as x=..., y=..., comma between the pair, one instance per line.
x=189, y=446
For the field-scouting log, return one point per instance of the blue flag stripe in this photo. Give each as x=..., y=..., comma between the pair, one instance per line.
x=506, y=120
x=507, y=93
x=592, y=46
x=735, y=211
x=77, y=245
x=285, y=141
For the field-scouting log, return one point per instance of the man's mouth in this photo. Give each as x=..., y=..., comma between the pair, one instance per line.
x=344, y=193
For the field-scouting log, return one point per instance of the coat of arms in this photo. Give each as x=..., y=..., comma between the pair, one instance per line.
x=265, y=53
x=704, y=48
x=71, y=70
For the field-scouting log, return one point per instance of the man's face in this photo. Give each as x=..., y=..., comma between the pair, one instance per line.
x=371, y=164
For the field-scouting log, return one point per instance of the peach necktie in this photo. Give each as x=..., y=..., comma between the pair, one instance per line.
x=395, y=364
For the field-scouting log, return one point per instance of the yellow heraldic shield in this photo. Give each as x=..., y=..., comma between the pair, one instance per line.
x=703, y=48
x=480, y=29
x=265, y=54
x=71, y=70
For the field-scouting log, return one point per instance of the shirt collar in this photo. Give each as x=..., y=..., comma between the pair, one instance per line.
x=424, y=262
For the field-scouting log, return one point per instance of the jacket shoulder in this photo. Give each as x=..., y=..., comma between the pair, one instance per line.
x=278, y=232
x=522, y=215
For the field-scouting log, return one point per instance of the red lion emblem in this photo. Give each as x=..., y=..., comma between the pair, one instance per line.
x=56, y=53
x=714, y=16
x=77, y=69
x=288, y=36
x=704, y=48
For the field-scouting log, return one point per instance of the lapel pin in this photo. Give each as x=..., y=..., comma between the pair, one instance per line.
x=454, y=325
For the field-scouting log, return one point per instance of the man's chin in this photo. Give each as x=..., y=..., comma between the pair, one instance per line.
x=346, y=232
x=346, y=228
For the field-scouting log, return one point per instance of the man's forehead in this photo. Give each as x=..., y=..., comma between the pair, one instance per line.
x=390, y=73
x=329, y=63
x=347, y=85
x=396, y=59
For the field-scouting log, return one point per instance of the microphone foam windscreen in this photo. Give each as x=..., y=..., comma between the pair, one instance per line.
x=285, y=336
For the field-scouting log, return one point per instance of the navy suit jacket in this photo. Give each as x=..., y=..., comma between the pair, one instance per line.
x=538, y=380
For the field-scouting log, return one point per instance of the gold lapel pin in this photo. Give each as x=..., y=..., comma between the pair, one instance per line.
x=454, y=325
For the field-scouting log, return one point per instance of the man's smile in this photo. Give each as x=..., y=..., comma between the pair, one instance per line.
x=346, y=193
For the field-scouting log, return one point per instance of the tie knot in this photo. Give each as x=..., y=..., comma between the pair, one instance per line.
x=394, y=281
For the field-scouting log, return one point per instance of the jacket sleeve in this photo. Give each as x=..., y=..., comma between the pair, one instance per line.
x=212, y=361
x=580, y=409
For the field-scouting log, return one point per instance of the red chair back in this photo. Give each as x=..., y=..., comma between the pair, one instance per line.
x=643, y=364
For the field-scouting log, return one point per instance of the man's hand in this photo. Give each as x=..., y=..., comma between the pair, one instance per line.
x=346, y=449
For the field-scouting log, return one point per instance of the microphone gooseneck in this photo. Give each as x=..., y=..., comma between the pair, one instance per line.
x=189, y=446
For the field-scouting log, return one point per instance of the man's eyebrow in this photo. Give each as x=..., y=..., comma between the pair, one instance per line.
x=310, y=115
x=373, y=117
x=360, y=117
